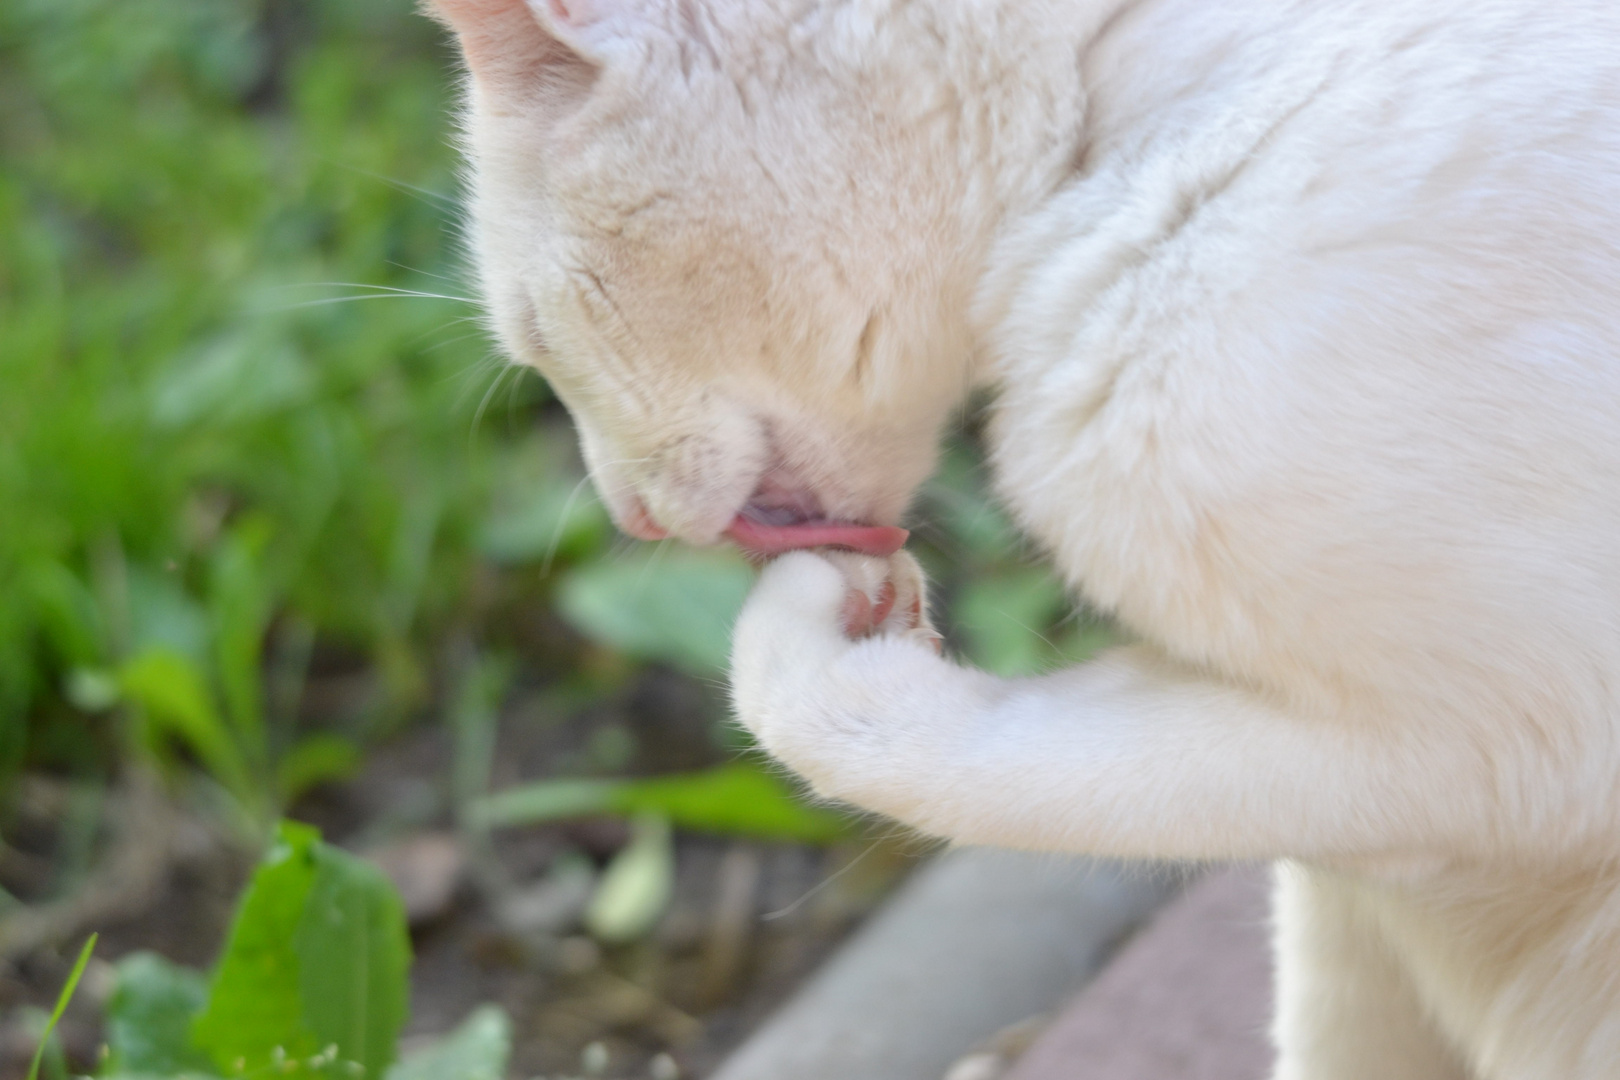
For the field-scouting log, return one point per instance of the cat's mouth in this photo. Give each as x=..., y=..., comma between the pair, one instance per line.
x=772, y=530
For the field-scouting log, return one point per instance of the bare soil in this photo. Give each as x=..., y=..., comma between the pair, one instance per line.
x=498, y=921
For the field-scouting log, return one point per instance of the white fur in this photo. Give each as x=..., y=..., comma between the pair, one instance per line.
x=1305, y=322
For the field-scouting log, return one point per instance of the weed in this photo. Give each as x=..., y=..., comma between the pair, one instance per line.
x=62, y=1000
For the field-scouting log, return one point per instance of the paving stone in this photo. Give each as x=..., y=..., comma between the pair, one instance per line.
x=1188, y=998
x=975, y=942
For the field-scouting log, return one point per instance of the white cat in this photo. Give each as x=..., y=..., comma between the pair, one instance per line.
x=1304, y=320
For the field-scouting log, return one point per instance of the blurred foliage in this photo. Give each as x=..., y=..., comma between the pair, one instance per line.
x=737, y=799
x=312, y=984
x=1004, y=609
x=665, y=603
x=149, y=1018
x=477, y=1050
x=636, y=886
x=249, y=424
x=314, y=972
x=62, y=1000
x=216, y=446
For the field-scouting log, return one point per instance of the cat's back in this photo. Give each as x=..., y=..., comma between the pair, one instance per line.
x=1401, y=86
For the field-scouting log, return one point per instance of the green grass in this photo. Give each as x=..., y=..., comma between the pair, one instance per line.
x=62, y=1000
x=203, y=211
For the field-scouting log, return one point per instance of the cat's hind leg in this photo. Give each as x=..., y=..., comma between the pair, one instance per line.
x=1345, y=1010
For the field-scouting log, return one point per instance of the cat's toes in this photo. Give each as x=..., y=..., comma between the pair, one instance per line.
x=868, y=594
x=885, y=596
x=908, y=614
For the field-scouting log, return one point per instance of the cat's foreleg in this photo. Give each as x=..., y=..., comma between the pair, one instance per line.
x=1130, y=754
x=1345, y=1009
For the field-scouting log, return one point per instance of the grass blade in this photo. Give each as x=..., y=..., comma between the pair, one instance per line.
x=739, y=799
x=62, y=1000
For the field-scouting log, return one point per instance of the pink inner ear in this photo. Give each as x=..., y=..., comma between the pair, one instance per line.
x=571, y=12
x=507, y=44
x=576, y=14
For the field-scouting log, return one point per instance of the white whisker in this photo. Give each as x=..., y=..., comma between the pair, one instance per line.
x=489, y=394
x=652, y=561
x=562, y=520
x=437, y=345
x=426, y=273
x=772, y=916
x=470, y=375
x=432, y=198
x=389, y=290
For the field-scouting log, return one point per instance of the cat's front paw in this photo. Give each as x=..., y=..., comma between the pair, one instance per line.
x=833, y=664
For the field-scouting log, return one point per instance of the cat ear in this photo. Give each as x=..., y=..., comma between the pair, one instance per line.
x=518, y=46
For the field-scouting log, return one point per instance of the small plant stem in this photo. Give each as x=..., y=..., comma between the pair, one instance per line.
x=62, y=1000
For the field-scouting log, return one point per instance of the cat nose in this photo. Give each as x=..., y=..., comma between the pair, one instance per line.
x=638, y=523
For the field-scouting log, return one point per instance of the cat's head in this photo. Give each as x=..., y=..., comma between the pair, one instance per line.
x=739, y=239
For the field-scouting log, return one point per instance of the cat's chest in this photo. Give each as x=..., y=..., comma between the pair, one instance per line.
x=1144, y=428
x=1132, y=438
x=1099, y=469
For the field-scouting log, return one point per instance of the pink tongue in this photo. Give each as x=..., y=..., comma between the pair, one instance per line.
x=760, y=539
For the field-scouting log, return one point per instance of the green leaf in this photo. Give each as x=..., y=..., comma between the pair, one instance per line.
x=477, y=1050
x=91, y=689
x=354, y=957
x=474, y=720
x=1086, y=638
x=1005, y=618
x=313, y=981
x=671, y=604
x=150, y=1014
x=67, y=613
x=317, y=759
x=978, y=529
x=62, y=1000
x=546, y=800
x=240, y=606
x=637, y=885
x=540, y=520
x=254, y=1005
x=736, y=799
x=174, y=696
x=238, y=376
x=163, y=615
